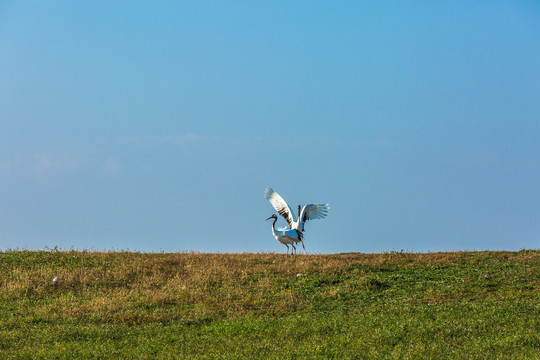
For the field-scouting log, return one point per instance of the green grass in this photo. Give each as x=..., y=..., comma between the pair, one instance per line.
x=463, y=305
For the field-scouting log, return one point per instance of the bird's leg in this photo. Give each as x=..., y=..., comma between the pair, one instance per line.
x=302, y=241
x=294, y=249
x=287, y=249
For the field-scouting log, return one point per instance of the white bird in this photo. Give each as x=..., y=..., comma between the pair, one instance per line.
x=286, y=236
x=308, y=212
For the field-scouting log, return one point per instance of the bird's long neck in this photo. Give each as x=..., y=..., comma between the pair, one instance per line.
x=273, y=226
x=299, y=222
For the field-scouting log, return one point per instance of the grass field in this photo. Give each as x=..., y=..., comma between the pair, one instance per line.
x=463, y=305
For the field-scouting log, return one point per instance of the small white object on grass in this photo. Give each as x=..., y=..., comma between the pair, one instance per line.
x=55, y=280
x=298, y=275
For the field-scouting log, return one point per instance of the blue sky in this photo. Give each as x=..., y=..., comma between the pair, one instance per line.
x=156, y=126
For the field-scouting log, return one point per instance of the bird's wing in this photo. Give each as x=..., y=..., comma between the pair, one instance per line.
x=280, y=205
x=312, y=212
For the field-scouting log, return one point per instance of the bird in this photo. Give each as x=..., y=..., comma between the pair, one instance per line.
x=286, y=236
x=308, y=212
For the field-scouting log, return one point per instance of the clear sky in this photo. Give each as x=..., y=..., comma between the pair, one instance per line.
x=156, y=126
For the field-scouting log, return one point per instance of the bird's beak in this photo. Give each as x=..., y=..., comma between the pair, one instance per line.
x=269, y=217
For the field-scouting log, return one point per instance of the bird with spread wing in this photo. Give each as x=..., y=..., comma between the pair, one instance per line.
x=293, y=234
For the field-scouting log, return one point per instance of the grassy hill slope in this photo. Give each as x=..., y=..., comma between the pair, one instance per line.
x=463, y=305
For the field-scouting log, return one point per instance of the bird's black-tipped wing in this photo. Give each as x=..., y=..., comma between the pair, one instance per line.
x=280, y=205
x=312, y=212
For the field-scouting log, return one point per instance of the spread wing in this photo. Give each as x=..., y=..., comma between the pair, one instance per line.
x=312, y=212
x=280, y=205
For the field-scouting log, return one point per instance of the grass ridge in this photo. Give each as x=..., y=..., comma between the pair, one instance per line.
x=107, y=304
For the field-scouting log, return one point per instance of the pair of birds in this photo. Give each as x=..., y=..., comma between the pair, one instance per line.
x=295, y=232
